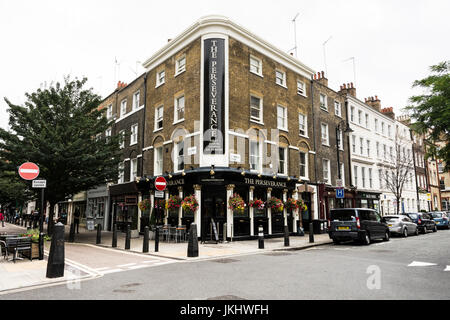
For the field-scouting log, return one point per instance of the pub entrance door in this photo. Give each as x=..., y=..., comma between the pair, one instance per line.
x=213, y=207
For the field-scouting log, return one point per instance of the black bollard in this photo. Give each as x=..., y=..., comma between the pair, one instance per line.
x=128, y=238
x=193, y=241
x=260, y=237
x=114, y=237
x=99, y=234
x=41, y=246
x=286, y=236
x=55, y=265
x=311, y=233
x=72, y=233
x=146, y=237
x=157, y=239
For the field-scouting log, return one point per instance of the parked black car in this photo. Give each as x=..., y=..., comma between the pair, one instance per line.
x=358, y=224
x=423, y=220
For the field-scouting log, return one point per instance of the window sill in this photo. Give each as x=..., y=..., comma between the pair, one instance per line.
x=303, y=136
x=257, y=122
x=281, y=85
x=178, y=121
x=282, y=129
x=132, y=144
x=257, y=74
x=326, y=145
x=178, y=73
x=160, y=84
x=156, y=130
x=324, y=109
x=303, y=95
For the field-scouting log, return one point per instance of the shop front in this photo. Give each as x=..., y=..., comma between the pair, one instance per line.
x=97, y=205
x=213, y=188
x=369, y=200
x=328, y=200
x=124, y=206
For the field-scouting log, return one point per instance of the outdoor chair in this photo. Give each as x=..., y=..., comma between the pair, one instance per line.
x=18, y=245
x=181, y=233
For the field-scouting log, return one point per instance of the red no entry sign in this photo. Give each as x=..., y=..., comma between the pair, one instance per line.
x=160, y=183
x=28, y=171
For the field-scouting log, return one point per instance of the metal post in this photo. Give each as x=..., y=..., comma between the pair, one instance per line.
x=146, y=238
x=224, y=234
x=114, y=237
x=311, y=232
x=128, y=237
x=286, y=236
x=157, y=239
x=41, y=246
x=55, y=265
x=99, y=234
x=72, y=232
x=193, y=241
x=260, y=237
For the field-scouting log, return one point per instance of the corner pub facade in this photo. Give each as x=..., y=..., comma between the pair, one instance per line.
x=226, y=112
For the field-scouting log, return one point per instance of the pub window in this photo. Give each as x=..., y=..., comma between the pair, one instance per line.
x=255, y=65
x=281, y=117
x=134, y=134
x=303, y=165
x=255, y=159
x=256, y=109
x=280, y=78
x=159, y=112
x=302, y=124
x=133, y=169
x=179, y=108
x=282, y=160
x=123, y=107
x=160, y=78
x=136, y=100
x=158, y=163
x=179, y=156
x=326, y=170
x=180, y=65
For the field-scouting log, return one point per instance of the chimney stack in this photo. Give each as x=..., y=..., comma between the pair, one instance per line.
x=348, y=89
x=374, y=103
x=389, y=112
x=321, y=78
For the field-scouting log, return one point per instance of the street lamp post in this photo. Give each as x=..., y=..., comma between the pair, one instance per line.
x=341, y=125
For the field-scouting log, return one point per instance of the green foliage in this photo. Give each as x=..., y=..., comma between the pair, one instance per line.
x=34, y=235
x=62, y=131
x=431, y=111
x=13, y=189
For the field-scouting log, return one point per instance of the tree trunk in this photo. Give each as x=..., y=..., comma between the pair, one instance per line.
x=398, y=205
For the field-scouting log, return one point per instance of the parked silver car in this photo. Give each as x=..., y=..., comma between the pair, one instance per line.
x=401, y=224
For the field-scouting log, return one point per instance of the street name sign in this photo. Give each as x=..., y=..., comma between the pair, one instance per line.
x=28, y=171
x=159, y=194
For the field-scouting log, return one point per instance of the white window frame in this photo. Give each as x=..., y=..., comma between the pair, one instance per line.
x=121, y=178
x=176, y=105
x=305, y=177
x=160, y=82
x=122, y=139
x=158, y=163
x=323, y=104
x=284, y=117
x=361, y=146
x=260, y=120
x=376, y=125
x=284, y=166
x=360, y=117
x=301, y=88
x=158, y=119
x=180, y=68
x=352, y=114
x=368, y=147
x=136, y=101
x=259, y=65
x=322, y=124
x=305, y=124
x=108, y=133
x=342, y=173
x=337, y=108
x=109, y=111
x=258, y=156
x=363, y=176
x=133, y=169
x=134, y=134
x=341, y=140
x=177, y=156
x=327, y=179
x=123, y=108
x=355, y=175
x=283, y=79
x=366, y=116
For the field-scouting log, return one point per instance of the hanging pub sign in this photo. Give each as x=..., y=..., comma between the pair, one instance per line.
x=214, y=97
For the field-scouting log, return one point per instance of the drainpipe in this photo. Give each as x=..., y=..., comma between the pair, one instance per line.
x=415, y=169
x=141, y=172
x=314, y=131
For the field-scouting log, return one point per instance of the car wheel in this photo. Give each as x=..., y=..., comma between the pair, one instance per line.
x=405, y=233
x=435, y=229
x=386, y=236
x=417, y=232
x=366, y=240
x=424, y=230
x=336, y=241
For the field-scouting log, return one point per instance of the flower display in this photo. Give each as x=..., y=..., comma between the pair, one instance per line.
x=34, y=235
x=160, y=204
x=257, y=204
x=276, y=204
x=237, y=203
x=144, y=205
x=292, y=204
x=174, y=202
x=189, y=204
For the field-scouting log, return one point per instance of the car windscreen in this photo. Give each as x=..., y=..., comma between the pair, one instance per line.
x=343, y=215
x=436, y=214
x=413, y=216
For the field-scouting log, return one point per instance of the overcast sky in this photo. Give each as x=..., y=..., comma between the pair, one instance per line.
x=393, y=42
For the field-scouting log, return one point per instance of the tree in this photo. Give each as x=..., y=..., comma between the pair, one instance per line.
x=400, y=168
x=431, y=111
x=13, y=190
x=62, y=131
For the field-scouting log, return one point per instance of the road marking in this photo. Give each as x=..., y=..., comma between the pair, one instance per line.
x=421, y=264
x=101, y=269
x=112, y=271
x=126, y=265
x=151, y=261
x=447, y=269
x=138, y=267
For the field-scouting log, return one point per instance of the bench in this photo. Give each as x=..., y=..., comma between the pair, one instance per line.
x=16, y=245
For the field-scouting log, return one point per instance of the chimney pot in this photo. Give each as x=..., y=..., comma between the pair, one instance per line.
x=351, y=84
x=376, y=97
x=323, y=74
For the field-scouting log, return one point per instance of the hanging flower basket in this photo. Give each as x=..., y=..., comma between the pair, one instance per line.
x=160, y=204
x=144, y=205
x=174, y=202
x=237, y=204
x=189, y=204
x=276, y=204
x=292, y=204
x=257, y=204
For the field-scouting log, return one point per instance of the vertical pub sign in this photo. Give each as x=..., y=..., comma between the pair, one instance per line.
x=214, y=93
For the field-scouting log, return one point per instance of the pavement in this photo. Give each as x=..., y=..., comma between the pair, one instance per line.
x=85, y=260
